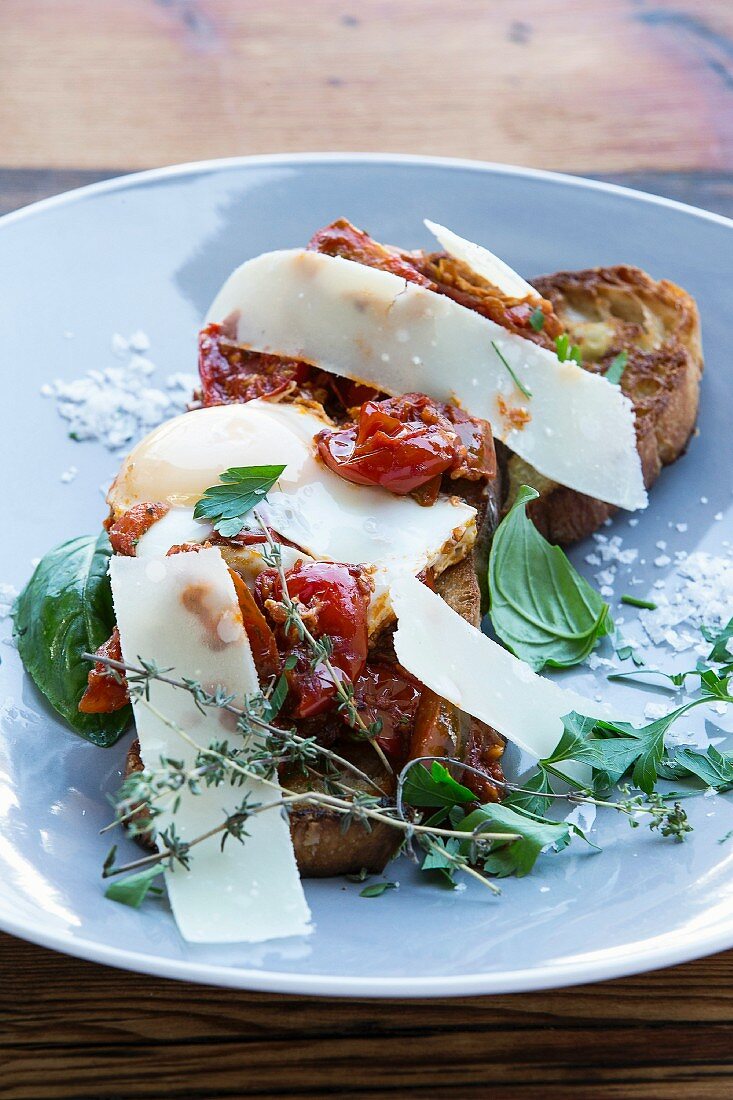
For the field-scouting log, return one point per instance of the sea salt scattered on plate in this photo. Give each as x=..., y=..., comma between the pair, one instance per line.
x=8, y=595
x=117, y=404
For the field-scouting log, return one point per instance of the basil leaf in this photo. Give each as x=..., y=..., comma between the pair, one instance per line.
x=436, y=787
x=64, y=610
x=227, y=504
x=133, y=889
x=540, y=606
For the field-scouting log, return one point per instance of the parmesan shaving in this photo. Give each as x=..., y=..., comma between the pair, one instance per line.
x=374, y=327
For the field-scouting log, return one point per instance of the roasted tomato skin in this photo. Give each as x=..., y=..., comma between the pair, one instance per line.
x=389, y=694
x=106, y=690
x=126, y=531
x=343, y=239
x=406, y=443
x=259, y=632
x=230, y=374
x=333, y=600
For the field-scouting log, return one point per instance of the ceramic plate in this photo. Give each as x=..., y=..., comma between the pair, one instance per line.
x=147, y=252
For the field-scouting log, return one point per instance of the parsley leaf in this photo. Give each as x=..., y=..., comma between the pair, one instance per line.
x=617, y=368
x=242, y=488
x=133, y=889
x=517, y=856
x=535, y=796
x=441, y=857
x=614, y=748
x=713, y=767
x=436, y=787
x=720, y=653
x=540, y=606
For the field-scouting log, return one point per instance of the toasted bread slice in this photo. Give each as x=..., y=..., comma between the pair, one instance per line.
x=606, y=311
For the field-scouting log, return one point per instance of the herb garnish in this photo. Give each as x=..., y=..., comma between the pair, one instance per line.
x=540, y=606
x=634, y=601
x=720, y=639
x=65, y=609
x=376, y=889
x=617, y=368
x=512, y=373
x=537, y=319
x=242, y=488
x=565, y=350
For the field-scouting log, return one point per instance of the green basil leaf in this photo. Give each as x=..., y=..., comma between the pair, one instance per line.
x=64, y=610
x=540, y=606
x=242, y=488
x=436, y=787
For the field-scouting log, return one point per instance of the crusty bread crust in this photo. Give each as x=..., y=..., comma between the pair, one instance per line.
x=606, y=311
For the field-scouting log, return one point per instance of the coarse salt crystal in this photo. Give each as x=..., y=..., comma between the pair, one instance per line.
x=662, y=560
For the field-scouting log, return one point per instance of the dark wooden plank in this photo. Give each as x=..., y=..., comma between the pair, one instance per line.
x=70, y=1028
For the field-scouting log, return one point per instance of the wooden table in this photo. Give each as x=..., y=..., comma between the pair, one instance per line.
x=630, y=90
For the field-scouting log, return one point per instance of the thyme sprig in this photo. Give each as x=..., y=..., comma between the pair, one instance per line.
x=362, y=808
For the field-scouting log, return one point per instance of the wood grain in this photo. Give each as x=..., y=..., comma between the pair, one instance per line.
x=581, y=85
x=70, y=1028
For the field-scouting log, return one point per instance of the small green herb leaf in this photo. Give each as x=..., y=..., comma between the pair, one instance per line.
x=242, y=488
x=436, y=787
x=64, y=611
x=634, y=601
x=133, y=889
x=376, y=889
x=516, y=856
x=565, y=350
x=512, y=373
x=537, y=319
x=714, y=768
x=720, y=653
x=540, y=606
x=617, y=368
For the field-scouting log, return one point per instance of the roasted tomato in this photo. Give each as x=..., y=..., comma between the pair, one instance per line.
x=333, y=601
x=388, y=694
x=106, y=690
x=343, y=239
x=126, y=532
x=230, y=374
x=259, y=632
x=407, y=443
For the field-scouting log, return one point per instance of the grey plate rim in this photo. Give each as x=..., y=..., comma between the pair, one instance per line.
x=510, y=981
